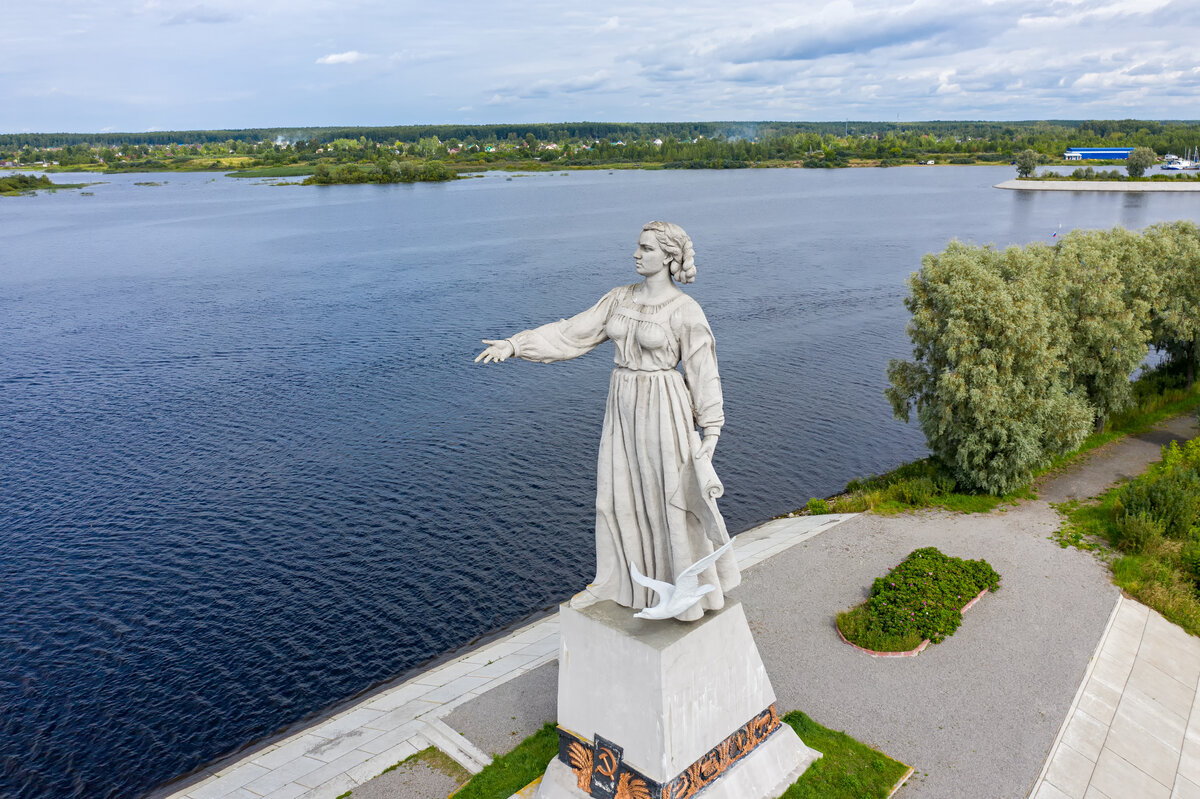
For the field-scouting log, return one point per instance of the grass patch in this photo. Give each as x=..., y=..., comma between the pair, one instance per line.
x=919, y=484
x=847, y=769
x=1090, y=526
x=856, y=625
x=1157, y=578
x=437, y=760
x=1152, y=520
x=507, y=774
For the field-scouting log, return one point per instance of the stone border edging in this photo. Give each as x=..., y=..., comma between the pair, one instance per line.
x=900, y=782
x=912, y=653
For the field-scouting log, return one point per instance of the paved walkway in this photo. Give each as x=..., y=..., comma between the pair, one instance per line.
x=348, y=749
x=1134, y=727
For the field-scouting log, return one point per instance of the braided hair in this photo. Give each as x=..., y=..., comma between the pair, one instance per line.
x=678, y=246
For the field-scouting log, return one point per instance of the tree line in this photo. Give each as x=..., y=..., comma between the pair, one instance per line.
x=1018, y=354
x=668, y=143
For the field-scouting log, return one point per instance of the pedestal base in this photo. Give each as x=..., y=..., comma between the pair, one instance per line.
x=665, y=709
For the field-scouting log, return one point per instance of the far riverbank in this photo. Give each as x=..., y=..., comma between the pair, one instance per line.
x=1095, y=185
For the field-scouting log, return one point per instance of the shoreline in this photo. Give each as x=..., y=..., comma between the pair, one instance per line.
x=1095, y=185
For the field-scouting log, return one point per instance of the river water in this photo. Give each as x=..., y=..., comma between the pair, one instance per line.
x=249, y=469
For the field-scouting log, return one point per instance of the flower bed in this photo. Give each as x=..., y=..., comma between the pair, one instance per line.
x=920, y=601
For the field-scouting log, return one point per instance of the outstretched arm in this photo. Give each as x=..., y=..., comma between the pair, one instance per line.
x=557, y=341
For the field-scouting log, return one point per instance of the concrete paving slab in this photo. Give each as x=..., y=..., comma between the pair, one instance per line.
x=1134, y=744
x=1189, y=760
x=1085, y=735
x=1155, y=718
x=1100, y=701
x=1185, y=789
x=277, y=777
x=1071, y=772
x=1116, y=776
x=1048, y=791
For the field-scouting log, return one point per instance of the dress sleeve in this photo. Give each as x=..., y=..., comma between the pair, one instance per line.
x=698, y=353
x=566, y=338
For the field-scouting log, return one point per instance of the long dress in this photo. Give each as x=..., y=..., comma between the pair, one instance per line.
x=645, y=513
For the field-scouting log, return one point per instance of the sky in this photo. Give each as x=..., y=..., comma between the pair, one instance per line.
x=138, y=65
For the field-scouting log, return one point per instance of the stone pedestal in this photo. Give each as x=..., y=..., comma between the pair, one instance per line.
x=663, y=709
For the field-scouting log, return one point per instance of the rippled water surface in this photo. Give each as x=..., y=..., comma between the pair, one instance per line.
x=249, y=469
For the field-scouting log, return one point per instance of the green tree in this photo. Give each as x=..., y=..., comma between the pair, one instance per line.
x=1174, y=248
x=1141, y=159
x=1105, y=332
x=986, y=378
x=1027, y=161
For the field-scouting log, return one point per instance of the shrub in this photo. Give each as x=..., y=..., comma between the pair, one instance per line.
x=1189, y=558
x=926, y=592
x=1138, y=532
x=917, y=491
x=856, y=502
x=817, y=506
x=1170, y=497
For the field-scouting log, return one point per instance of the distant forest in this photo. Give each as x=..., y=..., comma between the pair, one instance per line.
x=438, y=152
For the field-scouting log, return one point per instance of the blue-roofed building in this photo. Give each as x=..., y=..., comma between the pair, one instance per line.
x=1097, y=153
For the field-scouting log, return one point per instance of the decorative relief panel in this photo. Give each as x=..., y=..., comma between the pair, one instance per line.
x=601, y=773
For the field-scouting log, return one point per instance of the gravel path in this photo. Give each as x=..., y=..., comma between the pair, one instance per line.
x=975, y=715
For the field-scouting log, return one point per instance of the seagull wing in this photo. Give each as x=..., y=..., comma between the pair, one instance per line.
x=658, y=586
x=690, y=576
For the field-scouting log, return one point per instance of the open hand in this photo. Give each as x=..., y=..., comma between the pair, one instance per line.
x=497, y=351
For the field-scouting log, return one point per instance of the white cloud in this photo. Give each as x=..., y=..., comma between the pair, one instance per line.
x=348, y=57
x=610, y=24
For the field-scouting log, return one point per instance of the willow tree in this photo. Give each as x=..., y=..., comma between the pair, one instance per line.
x=1102, y=326
x=987, y=375
x=1175, y=249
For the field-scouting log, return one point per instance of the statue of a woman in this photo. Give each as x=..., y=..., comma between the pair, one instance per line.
x=655, y=487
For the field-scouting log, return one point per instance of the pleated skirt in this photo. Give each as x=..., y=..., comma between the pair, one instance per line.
x=648, y=427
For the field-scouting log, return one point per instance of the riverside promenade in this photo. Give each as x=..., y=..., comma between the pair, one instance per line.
x=1054, y=686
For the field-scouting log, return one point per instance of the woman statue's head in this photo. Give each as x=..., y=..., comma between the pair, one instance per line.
x=678, y=248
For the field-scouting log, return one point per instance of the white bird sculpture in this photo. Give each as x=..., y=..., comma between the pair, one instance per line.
x=677, y=598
